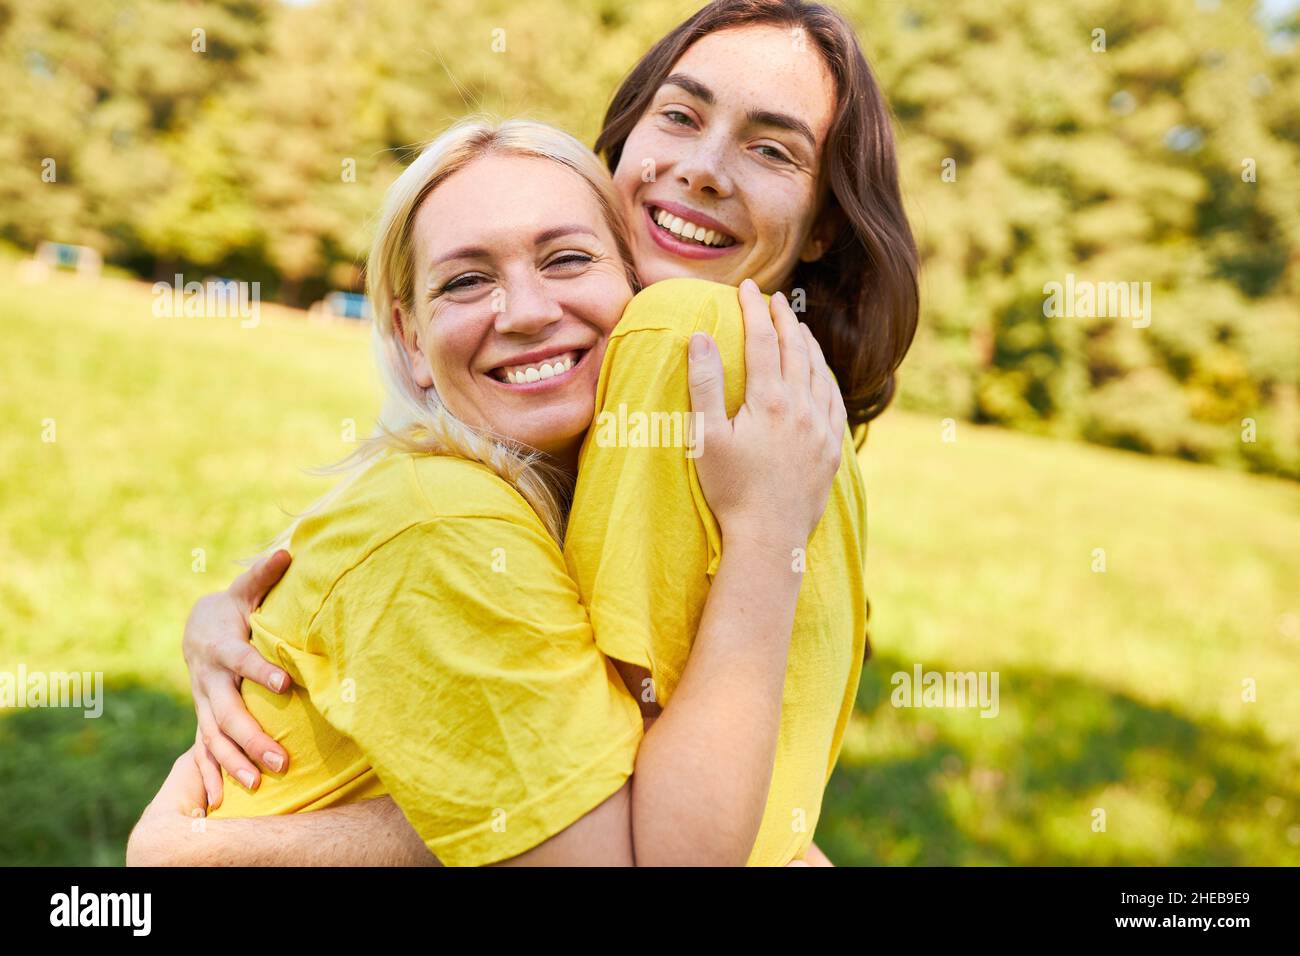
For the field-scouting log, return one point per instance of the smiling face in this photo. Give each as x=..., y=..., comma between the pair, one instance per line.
x=736, y=133
x=518, y=283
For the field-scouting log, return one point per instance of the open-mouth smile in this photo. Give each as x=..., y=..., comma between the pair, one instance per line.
x=681, y=232
x=540, y=372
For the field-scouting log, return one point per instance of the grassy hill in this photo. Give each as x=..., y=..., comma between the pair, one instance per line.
x=179, y=443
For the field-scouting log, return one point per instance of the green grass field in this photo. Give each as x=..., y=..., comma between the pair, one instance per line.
x=179, y=444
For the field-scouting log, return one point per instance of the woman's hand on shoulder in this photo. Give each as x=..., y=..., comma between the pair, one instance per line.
x=767, y=472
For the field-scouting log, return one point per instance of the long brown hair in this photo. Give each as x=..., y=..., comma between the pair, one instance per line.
x=861, y=295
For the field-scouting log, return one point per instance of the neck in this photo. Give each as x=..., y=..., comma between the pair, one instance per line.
x=566, y=457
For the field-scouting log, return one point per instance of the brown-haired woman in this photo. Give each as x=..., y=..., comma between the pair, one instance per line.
x=818, y=217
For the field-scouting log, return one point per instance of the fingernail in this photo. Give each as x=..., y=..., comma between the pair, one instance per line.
x=278, y=681
x=273, y=760
x=211, y=801
x=749, y=282
x=699, y=345
x=246, y=778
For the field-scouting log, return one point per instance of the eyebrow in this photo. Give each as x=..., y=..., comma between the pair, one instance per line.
x=690, y=85
x=546, y=235
x=758, y=117
x=783, y=121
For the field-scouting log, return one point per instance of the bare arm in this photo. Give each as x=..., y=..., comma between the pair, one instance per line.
x=698, y=798
x=174, y=831
x=815, y=856
x=370, y=833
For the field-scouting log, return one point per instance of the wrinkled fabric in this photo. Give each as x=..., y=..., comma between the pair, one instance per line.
x=439, y=654
x=643, y=546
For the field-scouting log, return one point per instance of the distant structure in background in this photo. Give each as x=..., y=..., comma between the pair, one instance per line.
x=49, y=256
x=341, y=305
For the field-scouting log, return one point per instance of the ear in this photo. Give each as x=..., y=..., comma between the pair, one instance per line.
x=822, y=233
x=420, y=369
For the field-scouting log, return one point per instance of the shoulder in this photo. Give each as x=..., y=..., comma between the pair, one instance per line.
x=452, y=487
x=402, y=488
x=466, y=555
x=681, y=306
x=400, y=505
x=646, y=358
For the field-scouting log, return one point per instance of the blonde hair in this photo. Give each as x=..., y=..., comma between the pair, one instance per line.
x=415, y=419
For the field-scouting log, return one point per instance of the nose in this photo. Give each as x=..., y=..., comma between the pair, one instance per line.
x=703, y=169
x=524, y=306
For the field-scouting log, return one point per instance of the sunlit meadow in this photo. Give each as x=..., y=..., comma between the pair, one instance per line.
x=1159, y=691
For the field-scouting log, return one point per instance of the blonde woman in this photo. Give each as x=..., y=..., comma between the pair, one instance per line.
x=437, y=643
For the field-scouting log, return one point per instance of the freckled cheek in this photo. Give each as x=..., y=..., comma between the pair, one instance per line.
x=661, y=150
x=771, y=236
x=783, y=225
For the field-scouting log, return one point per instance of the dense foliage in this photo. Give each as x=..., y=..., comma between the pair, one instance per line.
x=1154, y=142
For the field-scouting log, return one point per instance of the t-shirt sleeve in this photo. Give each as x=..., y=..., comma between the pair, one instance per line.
x=642, y=543
x=467, y=672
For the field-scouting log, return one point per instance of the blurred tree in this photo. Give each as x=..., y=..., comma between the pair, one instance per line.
x=1109, y=141
x=1161, y=151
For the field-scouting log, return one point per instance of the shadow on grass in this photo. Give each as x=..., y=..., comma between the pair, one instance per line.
x=1059, y=743
x=71, y=788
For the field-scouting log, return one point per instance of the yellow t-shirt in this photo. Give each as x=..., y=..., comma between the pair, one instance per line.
x=440, y=654
x=642, y=546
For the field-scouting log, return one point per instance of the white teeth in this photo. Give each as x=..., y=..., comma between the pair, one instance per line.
x=689, y=230
x=519, y=375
